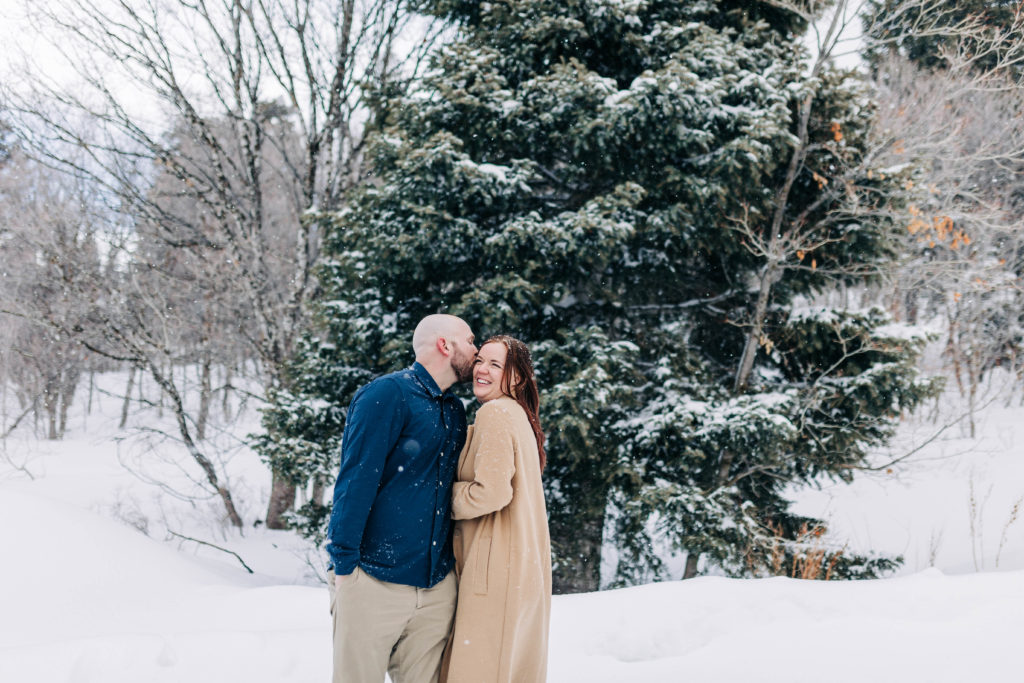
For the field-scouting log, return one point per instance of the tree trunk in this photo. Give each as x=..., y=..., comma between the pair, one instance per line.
x=577, y=545
x=140, y=379
x=167, y=388
x=772, y=268
x=127, y=397
x=768, y=277
x=68, y=386
x=282, y=499
x=691, y=565
x=317, y=495
x=225, y=404
x=3, y=407
x=973, y=362
x=204, y=397
x=51, y=397
x=721, y=478
x=953, y=348
x=160, y=391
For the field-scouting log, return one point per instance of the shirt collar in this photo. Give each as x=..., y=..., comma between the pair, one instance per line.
x=427, y=381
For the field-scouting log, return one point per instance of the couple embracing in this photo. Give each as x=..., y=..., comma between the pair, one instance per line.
x=440, y=560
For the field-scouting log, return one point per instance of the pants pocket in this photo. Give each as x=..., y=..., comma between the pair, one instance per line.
x=331, y=589
x=346, y=584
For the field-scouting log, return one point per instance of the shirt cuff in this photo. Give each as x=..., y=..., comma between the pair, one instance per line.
x=342, y=564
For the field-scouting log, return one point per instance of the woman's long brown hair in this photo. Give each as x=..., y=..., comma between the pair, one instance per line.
x=524, y=387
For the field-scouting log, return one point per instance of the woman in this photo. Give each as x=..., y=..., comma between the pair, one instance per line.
x=502, y=548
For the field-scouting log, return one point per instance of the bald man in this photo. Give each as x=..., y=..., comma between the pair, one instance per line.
x=390, y=534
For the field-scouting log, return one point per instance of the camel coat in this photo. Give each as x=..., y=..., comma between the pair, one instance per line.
x=502, y=553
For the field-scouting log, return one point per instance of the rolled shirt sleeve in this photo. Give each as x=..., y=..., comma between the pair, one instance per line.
x=372, y=428
x=491, y=487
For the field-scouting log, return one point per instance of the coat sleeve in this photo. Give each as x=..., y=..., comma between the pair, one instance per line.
x=372, y=428
x=494, y=465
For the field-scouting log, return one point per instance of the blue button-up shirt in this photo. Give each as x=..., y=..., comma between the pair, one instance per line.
x=392, y=500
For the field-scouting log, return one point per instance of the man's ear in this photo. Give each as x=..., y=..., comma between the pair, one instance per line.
x=442, y=346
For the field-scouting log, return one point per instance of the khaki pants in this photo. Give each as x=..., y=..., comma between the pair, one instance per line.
x=381, y=626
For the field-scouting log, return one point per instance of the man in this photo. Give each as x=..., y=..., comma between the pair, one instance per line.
x=389, y=538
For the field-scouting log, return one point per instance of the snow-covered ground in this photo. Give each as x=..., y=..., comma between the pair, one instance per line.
x=92, y=588
x=956, y=503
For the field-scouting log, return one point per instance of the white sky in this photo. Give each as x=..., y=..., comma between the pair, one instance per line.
x=23, y=43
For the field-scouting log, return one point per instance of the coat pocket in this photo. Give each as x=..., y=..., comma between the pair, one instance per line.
x=482, y=565
x=459, y=552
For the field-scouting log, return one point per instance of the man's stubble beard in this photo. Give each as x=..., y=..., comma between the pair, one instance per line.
x=463, y=367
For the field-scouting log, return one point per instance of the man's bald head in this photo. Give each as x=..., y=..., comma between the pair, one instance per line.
x=444, y=345
x=437, y=326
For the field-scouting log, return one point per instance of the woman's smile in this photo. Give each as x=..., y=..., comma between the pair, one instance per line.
x=487, y=372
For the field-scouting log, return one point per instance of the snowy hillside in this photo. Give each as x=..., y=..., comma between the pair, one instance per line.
x=86, y=596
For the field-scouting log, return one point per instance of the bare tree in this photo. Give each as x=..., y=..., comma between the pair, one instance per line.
x=44, y=364
x=784, y=241
x=116, y=310
x=245, y=103
x=959, y=126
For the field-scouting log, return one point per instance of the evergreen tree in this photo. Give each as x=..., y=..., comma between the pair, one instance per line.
x=573, y=173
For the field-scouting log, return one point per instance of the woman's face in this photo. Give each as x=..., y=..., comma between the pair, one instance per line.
x=487, y=372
